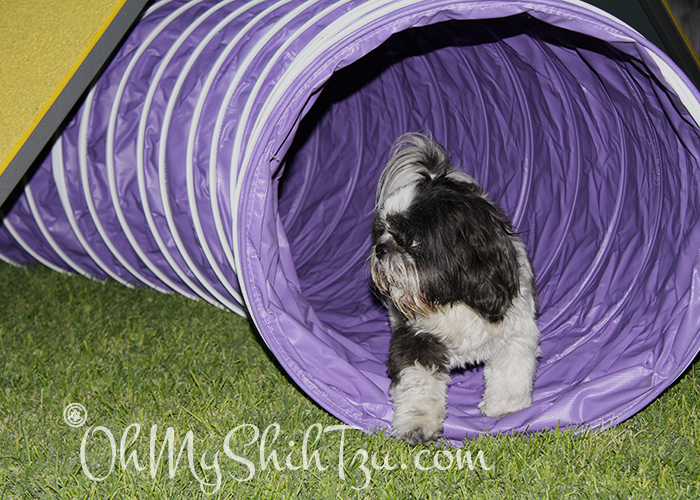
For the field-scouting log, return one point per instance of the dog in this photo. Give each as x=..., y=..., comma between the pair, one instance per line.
x=458, y=286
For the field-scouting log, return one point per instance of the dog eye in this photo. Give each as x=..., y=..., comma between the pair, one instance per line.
x=409, y=242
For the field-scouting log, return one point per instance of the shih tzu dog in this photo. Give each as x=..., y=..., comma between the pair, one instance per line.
x=460, y=287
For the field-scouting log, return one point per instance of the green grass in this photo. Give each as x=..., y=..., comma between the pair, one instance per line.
x=140, y=357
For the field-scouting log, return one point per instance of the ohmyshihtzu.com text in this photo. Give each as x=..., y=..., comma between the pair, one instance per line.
x=247, y=450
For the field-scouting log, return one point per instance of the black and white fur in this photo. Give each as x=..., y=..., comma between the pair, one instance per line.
x=461, y=290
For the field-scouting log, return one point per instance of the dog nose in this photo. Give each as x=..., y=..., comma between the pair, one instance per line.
x=381, y=250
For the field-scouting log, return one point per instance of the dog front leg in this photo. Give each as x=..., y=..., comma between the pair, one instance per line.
x=419, y=398
x=418, y=368
x=508, y=378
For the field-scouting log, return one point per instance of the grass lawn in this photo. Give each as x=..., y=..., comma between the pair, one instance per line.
x=153, y=369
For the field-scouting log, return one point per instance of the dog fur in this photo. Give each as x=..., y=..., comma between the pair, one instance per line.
x=459, y=286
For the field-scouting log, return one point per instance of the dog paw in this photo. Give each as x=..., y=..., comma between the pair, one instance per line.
x=418, y=432
x=499, y=408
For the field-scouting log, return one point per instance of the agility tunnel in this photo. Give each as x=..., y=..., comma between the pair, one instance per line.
x=231, y=150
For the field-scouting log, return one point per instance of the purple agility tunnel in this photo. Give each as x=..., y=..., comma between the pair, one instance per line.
x=231, y=151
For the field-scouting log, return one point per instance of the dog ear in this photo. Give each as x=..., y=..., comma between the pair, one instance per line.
x=488, y=267
x=473, y=259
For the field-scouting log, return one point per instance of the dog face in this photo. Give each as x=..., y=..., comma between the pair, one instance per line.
x=436, y=238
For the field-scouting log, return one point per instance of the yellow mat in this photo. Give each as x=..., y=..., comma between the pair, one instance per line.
x=42, y=44
x=50, y=51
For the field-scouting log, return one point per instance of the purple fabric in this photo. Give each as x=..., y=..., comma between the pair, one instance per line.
x=231, y=151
